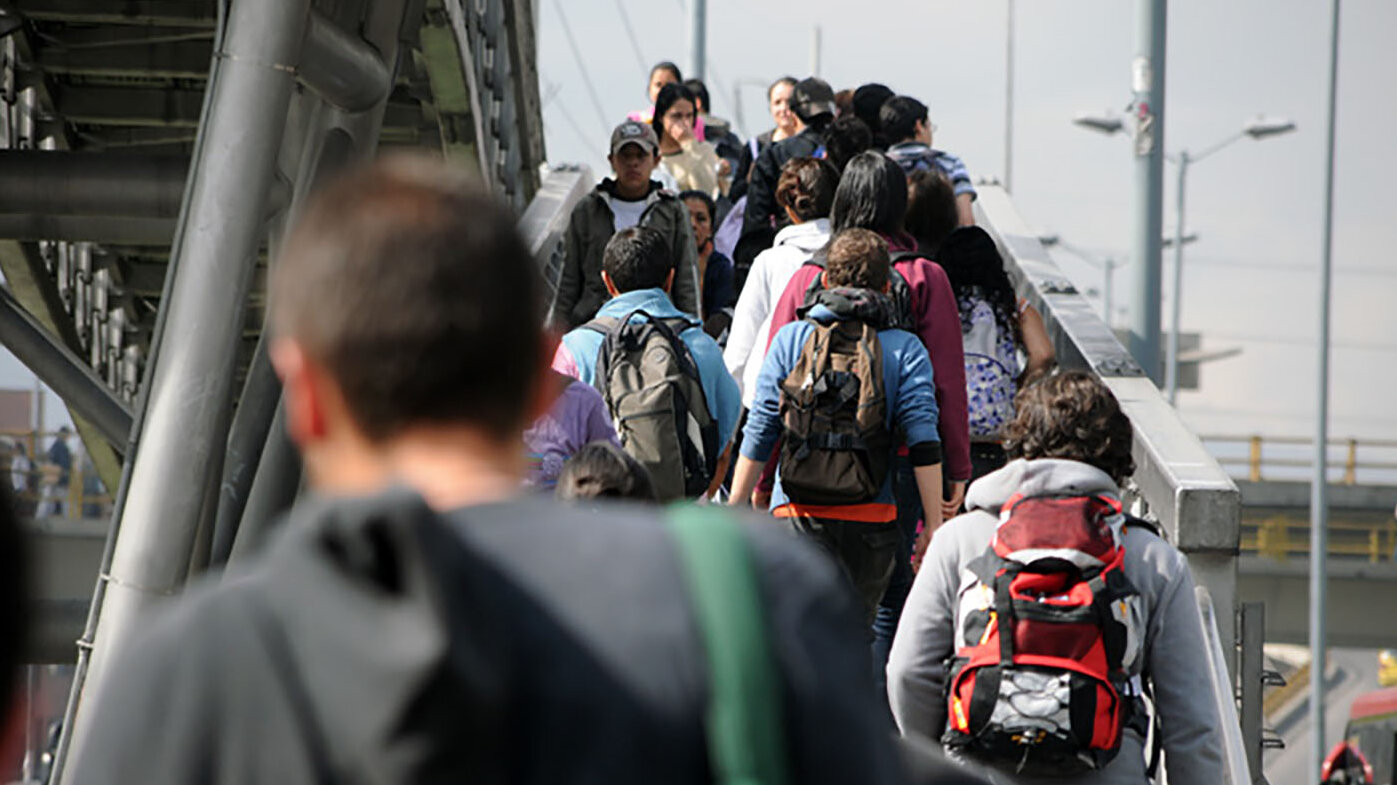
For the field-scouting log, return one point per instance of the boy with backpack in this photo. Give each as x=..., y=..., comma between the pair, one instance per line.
x=673, y=403
x=834, y=387
x=1039, y=616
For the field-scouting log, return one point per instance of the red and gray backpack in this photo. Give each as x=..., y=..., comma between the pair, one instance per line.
x=1048, y=630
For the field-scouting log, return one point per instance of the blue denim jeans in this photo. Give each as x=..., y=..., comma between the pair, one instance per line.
x=909, y=512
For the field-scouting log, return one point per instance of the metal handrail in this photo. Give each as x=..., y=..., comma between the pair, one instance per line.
x=545, y=221
x=1179, y=483
x=1234, y=748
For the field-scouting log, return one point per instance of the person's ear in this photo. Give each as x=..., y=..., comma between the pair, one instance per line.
x=888, y=285
x=610, y=287
x=611, y=159
x=824, y=280
x=669, y=280
x=303, y=392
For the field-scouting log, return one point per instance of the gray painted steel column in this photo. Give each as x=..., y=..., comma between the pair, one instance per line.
x=1319, y=484
x=1147, y=77
x=698, y=40
x=191, y=384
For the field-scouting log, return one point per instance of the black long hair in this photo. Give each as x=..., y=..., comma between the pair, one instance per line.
x=972, y=262
x=872, y=194
x=668, y=96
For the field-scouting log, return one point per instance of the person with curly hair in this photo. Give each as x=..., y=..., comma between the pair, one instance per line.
x=1069, y=438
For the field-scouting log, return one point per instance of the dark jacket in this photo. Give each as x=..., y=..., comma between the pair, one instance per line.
x=580, y=288
x=521, y=642
x=766, y=173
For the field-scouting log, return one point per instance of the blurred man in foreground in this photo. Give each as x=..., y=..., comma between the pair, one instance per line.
x=419, y=621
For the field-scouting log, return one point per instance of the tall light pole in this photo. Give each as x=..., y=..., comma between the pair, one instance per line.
x=1009, y=99
x=1319, y=488
x=698, y=39
x=1147, y=85
x=1259, y=128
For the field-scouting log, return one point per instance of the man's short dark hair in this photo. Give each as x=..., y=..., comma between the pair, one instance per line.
x=867, y=100
x=408, y=282
x=858, y=258
x=637, y=258
x=1072, y=415
x=899, y=116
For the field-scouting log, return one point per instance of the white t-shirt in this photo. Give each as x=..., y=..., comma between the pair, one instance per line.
x=626, y=214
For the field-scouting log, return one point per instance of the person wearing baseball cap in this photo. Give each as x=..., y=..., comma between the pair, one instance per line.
x=812, y=100
x=631, y=197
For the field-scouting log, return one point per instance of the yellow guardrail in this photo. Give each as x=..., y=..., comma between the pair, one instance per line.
x=1357, y=455
x=1280, y=538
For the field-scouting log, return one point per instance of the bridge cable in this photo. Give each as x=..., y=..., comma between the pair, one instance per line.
x=635, y=42
x=582, y=66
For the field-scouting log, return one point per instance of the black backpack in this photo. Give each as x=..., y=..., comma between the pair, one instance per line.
x=652, y=388
x=899, y=291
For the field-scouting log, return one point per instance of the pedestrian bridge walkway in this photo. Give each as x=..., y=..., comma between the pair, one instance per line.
x=145, y=178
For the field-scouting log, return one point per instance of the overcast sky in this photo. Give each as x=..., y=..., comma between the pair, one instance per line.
x=1251, y=281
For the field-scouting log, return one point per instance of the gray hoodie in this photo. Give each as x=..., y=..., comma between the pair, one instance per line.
x=1174, y=656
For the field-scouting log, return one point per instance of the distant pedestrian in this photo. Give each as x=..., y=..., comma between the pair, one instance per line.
x=716, y=290
x=693, y=163
x=59, y=456
x=632, y=198
x=834, y=389
x=778, y=99
x=907, y=125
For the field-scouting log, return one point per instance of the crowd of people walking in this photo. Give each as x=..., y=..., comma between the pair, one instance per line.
x=928, y=575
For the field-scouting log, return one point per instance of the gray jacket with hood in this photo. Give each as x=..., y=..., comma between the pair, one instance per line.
x=1174, y=655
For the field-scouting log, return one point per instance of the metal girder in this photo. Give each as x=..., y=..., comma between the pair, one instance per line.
x=141, y=106
x=189, y=384
x=52, y=182
x=177, y=13
x=116, y=230
x=174, y=60
x=63, y=370
x=342, y=67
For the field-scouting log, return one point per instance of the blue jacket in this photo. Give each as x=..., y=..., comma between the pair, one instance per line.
x=907, y=383
x=577, y=354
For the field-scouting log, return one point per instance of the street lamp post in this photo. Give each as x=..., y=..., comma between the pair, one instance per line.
x=1259, y=128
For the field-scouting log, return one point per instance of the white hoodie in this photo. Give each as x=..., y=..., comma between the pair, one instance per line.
x=751, y=319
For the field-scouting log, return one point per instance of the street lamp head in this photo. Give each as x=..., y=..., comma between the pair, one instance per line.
x=1048, y=239
x=1262, y=127
x=1104, y=123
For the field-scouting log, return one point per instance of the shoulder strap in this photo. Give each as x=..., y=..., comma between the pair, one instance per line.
x=746, y=744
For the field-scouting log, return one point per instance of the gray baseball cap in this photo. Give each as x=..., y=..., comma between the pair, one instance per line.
x=633, y=132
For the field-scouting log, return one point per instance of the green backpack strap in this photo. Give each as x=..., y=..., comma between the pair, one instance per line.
x=746, y=738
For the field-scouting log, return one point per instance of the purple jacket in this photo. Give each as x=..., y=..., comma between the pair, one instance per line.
x=577, y=417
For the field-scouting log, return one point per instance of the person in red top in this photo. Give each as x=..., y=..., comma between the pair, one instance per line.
x=872, y=195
